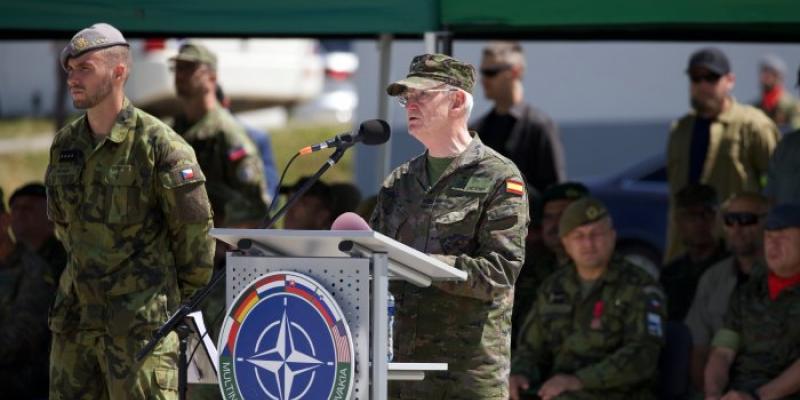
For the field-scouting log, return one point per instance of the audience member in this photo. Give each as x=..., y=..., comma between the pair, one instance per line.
x=721, y=143
x=596, y=328
x=695, y=218
x=30, y=225
x=545, y=258
x=25, y=295
x=743, y=217
x=756, y=354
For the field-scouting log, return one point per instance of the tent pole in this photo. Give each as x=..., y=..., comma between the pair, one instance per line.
x=439, y=42
x=385, y=151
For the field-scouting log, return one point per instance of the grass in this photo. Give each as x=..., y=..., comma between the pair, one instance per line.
x=20, y=168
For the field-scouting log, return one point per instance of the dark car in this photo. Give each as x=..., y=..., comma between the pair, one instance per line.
x=638, y=200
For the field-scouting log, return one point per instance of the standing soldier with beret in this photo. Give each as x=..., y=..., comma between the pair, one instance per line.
x=466, y=205
x=129, y=204
x=596, y=328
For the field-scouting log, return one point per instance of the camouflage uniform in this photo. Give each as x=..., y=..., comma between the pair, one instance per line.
x=610, y=339
x=133, y=215
x=229, y=159
x=540, y=263
x=472, y=220
x=25, y=296
x=765, y=334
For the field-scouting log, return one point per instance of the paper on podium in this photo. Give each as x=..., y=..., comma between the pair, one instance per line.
x=203, y=366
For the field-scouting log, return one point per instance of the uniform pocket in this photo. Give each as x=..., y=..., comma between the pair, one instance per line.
x=125, y=205
x=63, y=192
x=166, y=378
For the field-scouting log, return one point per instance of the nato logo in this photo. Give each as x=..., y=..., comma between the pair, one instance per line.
x=285, y=338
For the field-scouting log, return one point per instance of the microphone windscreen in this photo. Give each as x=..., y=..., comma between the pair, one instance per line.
x=350, y=221
x=374, y=131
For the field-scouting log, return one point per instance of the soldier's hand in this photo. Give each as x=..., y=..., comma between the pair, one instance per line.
x=516, y=384
x=559, y=384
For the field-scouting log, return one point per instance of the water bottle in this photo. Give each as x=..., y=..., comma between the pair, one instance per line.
x=389, y=341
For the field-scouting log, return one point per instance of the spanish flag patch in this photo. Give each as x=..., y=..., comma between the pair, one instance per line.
x=515, y=187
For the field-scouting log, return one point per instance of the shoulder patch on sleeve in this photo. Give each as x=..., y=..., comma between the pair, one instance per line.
x=654, y=325
x=181, y=175
x=237, y=153
x=514, y=186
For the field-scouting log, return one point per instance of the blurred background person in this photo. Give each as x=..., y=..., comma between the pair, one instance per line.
x=25, y=296
x=776, y=101
x=743, y=225
x=31, y=227
x=513, y=128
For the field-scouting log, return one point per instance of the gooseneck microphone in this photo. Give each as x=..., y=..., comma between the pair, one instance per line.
x=371, y=132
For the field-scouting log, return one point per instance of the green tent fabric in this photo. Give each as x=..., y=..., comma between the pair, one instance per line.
x=773, y=20
x=347, y=18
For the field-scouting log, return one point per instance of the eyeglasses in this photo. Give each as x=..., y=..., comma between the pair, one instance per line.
x=420, y=96
x=708, y=78
x=491, y=72
x=741, y=218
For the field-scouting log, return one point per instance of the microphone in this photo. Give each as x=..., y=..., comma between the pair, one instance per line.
x=350, y=221
x=371, y=132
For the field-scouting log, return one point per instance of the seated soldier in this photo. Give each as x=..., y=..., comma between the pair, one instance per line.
x=595, y=330
x=542, y=259
x=743, y=218
x=696, y=220
x=25, y=296
x=756, y=354
x=313, y=210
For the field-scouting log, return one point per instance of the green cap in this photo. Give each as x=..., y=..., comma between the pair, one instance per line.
x=195, y=52
x=430, y=70
x=581, y=212
x=696, y=194
x=96, y=37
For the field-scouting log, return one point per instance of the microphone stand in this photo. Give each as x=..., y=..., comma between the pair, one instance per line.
x=177, y=322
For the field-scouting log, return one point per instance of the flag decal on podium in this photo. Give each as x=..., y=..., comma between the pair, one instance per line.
x=285, y=337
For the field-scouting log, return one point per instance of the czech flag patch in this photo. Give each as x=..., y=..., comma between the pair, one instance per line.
x=515, y=187
x=187, y=174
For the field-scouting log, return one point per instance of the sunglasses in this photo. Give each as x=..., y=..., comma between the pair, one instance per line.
x=491, y=72
x=741, y=218
x=708, y=78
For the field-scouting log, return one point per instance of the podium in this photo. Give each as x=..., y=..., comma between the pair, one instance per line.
x=354, y=267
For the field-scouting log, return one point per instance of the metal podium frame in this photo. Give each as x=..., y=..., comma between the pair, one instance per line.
x=387, y=259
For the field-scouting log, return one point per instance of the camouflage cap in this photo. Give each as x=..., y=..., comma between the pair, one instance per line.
x=96, y=37
x=581, y=212
x=429, y=70
x=195, y=52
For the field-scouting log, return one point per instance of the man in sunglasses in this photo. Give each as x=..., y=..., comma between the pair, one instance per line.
x=721, y=143
x=466, y=205
x=514, y=128
x=743, y=218
x=756, y=353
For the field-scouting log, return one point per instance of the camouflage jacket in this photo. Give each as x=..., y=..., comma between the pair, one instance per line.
x=764, y=333
x=232, y=166
x=472, y=220
x=610, y=340
x=25, y=296
x=133, y=215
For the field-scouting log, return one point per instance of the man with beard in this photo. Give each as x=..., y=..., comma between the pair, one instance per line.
x=128, y=202
x=743, y=217
x=721, y=143
x=236, y=183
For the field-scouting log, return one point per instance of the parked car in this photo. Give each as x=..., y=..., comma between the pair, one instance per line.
x=255, y=73
x=638, y=199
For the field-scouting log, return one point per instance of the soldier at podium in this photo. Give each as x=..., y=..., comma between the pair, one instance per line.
x=466, y=205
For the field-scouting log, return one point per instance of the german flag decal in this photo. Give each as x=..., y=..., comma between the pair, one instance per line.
x=515, y=187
